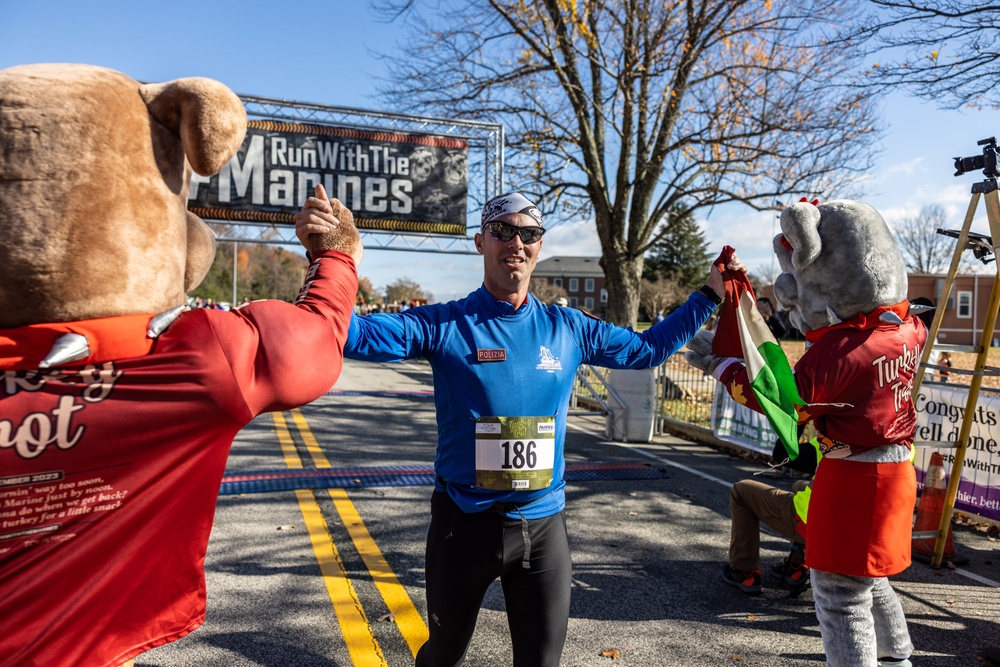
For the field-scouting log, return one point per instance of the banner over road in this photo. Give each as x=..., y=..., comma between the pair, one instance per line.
x=391, y=181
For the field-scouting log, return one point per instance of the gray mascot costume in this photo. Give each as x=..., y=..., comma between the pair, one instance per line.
x=843, y=282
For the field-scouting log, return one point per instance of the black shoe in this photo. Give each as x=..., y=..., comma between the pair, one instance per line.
x=747, y=582
x=795, y=577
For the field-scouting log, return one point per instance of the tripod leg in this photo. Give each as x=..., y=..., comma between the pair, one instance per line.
x=949, y=282
x=993, y=214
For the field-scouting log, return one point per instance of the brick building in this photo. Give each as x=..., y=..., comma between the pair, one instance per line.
x=965, y=311
x=581, y=277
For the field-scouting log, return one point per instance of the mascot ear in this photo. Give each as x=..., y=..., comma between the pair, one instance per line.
x=800, y=229
x=208, y=117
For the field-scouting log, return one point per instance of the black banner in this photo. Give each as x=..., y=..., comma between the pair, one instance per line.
x=390, y=181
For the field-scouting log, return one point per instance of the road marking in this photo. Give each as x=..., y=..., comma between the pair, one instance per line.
x=976, y=577
x=318, y=457
x=354, y=626
x=408, y=620
x=292, y=459
x=680, y=466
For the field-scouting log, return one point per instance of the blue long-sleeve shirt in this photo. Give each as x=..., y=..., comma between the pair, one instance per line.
x=489, y=360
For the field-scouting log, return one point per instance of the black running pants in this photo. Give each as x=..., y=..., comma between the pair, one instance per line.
x=465, y=553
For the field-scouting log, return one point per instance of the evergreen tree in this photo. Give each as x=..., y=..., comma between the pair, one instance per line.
x=680, y=253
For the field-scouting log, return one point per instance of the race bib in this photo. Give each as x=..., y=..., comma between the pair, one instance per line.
x=515, y=453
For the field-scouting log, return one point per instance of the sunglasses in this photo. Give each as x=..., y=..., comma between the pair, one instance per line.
x=506, y=231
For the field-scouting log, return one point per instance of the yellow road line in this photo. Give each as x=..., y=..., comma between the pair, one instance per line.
x=292, y=459
x=318, y=457
x=361, y=644
x=409, y=621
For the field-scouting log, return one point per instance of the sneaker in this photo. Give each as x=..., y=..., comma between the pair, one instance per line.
x=794, y=577
x=747, y=582
x=893, y=662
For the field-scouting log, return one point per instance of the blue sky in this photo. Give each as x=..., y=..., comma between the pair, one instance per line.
x=320, y=53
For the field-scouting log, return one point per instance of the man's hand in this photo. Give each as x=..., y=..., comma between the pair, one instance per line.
x=715, y=278
x=325, y=224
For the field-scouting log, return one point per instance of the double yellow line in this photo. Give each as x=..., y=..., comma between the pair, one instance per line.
x=361, y=643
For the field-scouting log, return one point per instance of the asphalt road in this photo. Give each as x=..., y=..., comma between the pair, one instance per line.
x=335, y=577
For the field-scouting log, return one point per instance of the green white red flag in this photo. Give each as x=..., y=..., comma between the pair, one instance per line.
x=742, y=332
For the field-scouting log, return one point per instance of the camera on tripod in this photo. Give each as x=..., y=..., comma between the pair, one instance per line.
x=987, y=161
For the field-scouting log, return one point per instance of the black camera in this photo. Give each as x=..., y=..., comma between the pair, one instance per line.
x=987, y=161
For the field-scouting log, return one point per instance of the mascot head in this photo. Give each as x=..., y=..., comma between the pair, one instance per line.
x=838, y=260
x=94, y=174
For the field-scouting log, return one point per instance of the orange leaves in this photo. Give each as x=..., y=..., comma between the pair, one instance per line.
x=612, y=653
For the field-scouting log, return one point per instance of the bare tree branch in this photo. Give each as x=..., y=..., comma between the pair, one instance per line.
x=945, y=50
x=924, y=250
x=625, y=109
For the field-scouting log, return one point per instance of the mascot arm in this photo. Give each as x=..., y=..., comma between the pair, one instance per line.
x=733, y=375
x=735, y=378
x=284, y=355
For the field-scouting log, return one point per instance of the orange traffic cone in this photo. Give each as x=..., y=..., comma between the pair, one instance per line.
x=929, y=513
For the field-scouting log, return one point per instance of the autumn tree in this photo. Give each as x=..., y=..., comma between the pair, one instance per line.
x=661, y=296
x=623, y=109
x=367, y=292
x=405, y=290
x=545, y=291
x=942, y=50
x=263, y=271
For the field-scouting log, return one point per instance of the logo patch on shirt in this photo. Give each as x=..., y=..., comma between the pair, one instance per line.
x=546, y=361
x=492, y=354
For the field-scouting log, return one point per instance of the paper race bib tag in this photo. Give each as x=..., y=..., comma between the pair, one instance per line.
x=515, y=453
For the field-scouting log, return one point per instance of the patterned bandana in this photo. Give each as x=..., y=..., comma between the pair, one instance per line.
x=513, y=202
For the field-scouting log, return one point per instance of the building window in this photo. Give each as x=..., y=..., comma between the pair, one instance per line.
x=964, y=305
x=588, y=303
x=557, y=282
x=574, y=302
x=574, y=284
x=588, y=285
x=604, y=296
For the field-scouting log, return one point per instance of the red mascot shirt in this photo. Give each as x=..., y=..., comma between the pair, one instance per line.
x=110, y=467
x=856, y=378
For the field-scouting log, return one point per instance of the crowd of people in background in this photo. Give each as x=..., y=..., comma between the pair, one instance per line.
x=394, y=307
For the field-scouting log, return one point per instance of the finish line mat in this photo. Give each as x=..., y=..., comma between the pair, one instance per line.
x=262, y=481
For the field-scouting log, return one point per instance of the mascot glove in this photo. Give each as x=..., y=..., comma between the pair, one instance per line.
x=699, y=354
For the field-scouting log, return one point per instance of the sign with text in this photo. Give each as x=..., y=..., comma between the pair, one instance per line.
x=939, y=417
x=391, y=181
x=739, y=425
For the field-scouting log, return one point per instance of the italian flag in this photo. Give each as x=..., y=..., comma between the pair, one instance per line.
x=742, y=333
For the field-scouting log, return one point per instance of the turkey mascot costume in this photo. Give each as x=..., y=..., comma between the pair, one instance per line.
x=118, y=405
x=843, y=283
